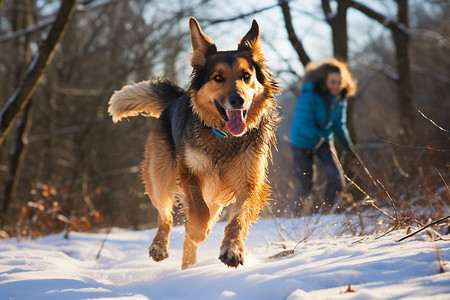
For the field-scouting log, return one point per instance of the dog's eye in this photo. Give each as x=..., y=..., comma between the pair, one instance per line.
x=246, y=76
x=218, y=78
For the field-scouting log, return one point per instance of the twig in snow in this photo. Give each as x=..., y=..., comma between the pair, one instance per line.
x=446, y=185
x=286, y=252
x=436, y=252
x=369, y=199
x=443, y=180
x=424, y=227
x=108, y=231
x=376, y=182
x=360, y=240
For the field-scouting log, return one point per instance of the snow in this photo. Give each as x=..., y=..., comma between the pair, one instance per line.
x=321, y=267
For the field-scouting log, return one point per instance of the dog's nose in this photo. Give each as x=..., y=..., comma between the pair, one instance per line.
x=236, y=101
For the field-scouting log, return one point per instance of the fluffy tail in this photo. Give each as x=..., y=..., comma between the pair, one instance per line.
x=149, y=98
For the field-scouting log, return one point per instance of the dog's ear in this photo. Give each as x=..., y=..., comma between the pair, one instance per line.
x=202, y=45
x=250, y=42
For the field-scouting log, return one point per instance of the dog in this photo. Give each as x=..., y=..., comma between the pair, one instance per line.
x=210, y=145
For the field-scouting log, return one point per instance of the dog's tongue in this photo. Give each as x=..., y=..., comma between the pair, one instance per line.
x=236, y=124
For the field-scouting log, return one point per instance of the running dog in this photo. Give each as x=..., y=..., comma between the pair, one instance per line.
x=210, y=145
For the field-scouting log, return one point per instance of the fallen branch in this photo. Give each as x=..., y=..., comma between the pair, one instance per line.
x=423, y=228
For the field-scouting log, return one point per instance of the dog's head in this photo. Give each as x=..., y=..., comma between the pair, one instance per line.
x=230, y=90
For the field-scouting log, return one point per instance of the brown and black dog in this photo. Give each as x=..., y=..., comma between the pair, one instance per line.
x=210, y=144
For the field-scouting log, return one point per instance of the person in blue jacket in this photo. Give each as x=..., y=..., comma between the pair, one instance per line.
x=320, y=116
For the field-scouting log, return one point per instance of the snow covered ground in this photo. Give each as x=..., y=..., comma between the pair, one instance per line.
x=322, y=267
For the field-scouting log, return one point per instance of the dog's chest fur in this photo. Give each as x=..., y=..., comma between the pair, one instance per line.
x=197, y=160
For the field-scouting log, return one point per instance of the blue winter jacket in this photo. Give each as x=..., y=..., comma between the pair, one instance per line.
x=308, y=129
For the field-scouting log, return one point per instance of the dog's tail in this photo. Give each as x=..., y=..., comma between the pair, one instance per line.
x=149, y=98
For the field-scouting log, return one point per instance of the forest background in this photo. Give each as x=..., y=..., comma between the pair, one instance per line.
x=65, y=166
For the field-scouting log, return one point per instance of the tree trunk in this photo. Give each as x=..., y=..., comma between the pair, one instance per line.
x=23, y=94
x=404, y=83
x=340, y=38
x=405, y=94
x=338, y=24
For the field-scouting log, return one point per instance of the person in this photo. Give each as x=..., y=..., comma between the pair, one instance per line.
x=320, y=116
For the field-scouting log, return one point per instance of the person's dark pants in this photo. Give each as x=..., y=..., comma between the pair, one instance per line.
x=328, y=170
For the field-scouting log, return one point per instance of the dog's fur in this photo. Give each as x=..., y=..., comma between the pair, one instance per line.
x=233, y=93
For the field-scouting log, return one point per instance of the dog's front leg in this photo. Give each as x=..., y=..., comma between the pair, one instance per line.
x=245, y=212
x=197, y=216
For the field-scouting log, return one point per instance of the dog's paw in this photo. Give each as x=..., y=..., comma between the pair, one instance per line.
x=232, y=254
x=158, y=253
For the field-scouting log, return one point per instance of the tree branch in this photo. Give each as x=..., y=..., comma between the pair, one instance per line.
x=411, y=147
x=431, y=121
x=35, y=73
x=80, y=7
x=238, y=17
x=295, y=41
x=28, y=30
x=387, y=22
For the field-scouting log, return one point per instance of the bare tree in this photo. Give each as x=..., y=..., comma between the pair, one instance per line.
x=18, y=101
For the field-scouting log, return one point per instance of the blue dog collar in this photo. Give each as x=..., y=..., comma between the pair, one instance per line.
x=219, y=133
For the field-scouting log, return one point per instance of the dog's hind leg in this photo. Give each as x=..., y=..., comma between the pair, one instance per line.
x=159, y=249
x=158, y=172
x=189, y=253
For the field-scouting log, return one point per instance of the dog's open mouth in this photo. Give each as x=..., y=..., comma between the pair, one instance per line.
x=234, y=119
